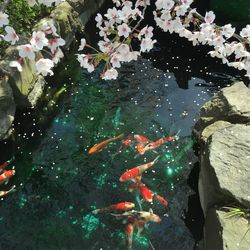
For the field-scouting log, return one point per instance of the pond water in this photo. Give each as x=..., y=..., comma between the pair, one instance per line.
x=59, y=184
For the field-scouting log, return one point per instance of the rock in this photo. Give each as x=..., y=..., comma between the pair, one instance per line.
x=225, y=167
x=230, y=104
x=7, y=108
x=209, y=130
x=222, y=233
x=67, y=22
x=22, y=83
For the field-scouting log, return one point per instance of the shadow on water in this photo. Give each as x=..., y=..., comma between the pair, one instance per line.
x=59, y=184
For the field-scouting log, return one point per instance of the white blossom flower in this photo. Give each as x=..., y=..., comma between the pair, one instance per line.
x=113, y=15
x=147, y=32
x=147, y=44
x=116, y=60
x=82, y=45
x=11, y=35
x=110, y=74
x=237, y=65
x=43, y=66
x=98, y=20
x=38, y=40
x=83, y=59
x=227, y=30
x=26, y=50
x=123, y=30
x=164, y=4
x=57, y=56
x=16, y=64
x=245, y=32
x=209, y=17
x=3, y=19
x=55, y=42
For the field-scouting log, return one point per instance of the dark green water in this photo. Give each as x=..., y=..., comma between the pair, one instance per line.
x=59, y=184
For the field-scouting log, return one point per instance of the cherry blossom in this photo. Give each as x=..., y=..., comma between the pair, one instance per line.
x=38, y=40
x=82, y=45
x=11, y=35
x=209, y=17
x=4, y=19
x=54, y=43
x=123, y=30
x=44, y=66
x=26, y=50
x=110, y=74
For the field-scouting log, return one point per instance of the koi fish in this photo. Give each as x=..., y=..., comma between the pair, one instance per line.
x=139, y=215
x=134, y=172
x=147, y=216
x=123, y=206
x=5, y=164
x=146, y=193
x=100, y=146
x=3, y=193
x=6, y=175
x=156, y=144
x=129, y=235
x=142, y=139
x=161, y=200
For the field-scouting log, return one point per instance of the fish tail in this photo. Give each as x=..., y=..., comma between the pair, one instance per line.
x=156, y=159
x=119, y=136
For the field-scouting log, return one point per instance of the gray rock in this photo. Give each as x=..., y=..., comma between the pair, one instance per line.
x=231, y=104
x=225, y=167
x=222, y=233
x=7, y=108
x=209, y=130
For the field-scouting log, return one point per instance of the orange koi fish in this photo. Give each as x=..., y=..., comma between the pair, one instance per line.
x=123, y=206
x=100, y=146
x=161, y=200
x=3, y=193
x=142, y=139
x=129, y=235
x=6, y=175
x=134, y=172
x=156, y=144
x=145, y=192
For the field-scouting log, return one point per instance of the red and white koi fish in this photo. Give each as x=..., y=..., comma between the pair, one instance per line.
x=139, y=215
x=129, y=235
x=137, y=171
x=161, y=200
x=100, y=146
x=156, y=144
x=145, y=192
x=121, y=207
x=6, y=175
x=3, y=193
x=146, y=216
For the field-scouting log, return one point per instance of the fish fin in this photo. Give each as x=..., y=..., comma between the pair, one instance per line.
x=6, y=182
x=155, y=151
x=151, y=211
x=12, y=189
x=156, y=159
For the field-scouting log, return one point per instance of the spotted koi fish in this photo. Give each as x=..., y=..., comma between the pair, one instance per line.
x=3, y=193
x=121, y=207
x=137, y=171
x=6, y=176
x=156, y=144
x=100, y=146
x=145, y=192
